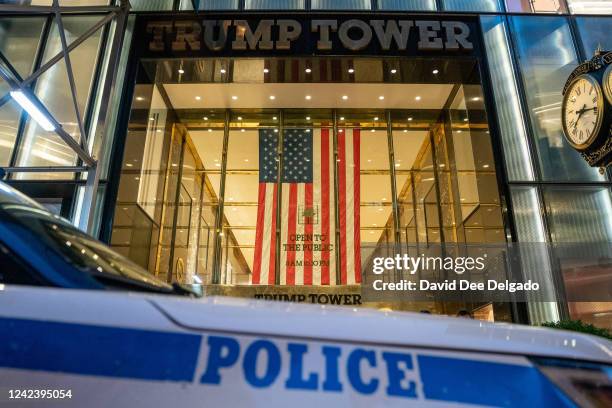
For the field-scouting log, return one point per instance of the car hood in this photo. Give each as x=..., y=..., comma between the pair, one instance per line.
x=363, y=325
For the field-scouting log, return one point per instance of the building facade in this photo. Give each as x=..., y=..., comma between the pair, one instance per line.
x=275, y=146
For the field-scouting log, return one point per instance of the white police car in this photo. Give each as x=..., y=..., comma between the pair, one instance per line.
x=137, y=345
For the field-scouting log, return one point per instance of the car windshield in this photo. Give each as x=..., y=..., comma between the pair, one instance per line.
x=79, y=249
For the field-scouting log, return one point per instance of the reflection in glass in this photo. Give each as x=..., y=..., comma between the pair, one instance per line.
x=340, y=4
x=536, y=6
x=594, y=32
x=408, y=5
x=274, y=4
x=546, y=58
x=590, y=6
x=472, y=5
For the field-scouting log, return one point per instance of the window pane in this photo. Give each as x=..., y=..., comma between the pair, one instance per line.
x=509, y=115
x=9, y=122
x=19, y=38
x=218, y=4
x=535, y=6
x=590, y=6
x=472, y=5
x=407, y=5
x=546, y=58
x=341, y=4
x=535, y=259
x=151, y=5
x=594, y=31
x=41, y=148
x=274, y=4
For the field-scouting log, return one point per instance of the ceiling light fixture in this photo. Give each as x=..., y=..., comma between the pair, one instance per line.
x=266, y=70
x=205, y=117
x=234, y=97
x=344, y=97
x=308, y=97
x=197, y=98
x=38, y=115
x=341, y=117
x=435, y=72
x=181, y=71
x=476, y=99
x=417, y=98
x=351, y=70
x=138, y=98
x=239, y=118
x=274, y=118
x=307, y=117
x=272, y=97
x=308, y=70
x=410, y=119
x=223, y=71
x=381, y=97
x=393, y=71
x=375, y=117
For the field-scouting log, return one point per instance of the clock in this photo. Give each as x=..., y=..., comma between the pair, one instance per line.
x=607, y=83
x=583, y=111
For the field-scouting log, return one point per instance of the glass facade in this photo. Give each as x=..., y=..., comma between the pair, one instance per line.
x=186, y=200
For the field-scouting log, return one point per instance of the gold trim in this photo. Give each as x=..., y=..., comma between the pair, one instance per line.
x=600, y=108
x=607, y=83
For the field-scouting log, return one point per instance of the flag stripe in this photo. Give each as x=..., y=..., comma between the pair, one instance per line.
x=259, y=233
x=348, y=230
x=291, y=227
x=342, y=204
x=308, y=230
x=357, y=201
x=325, y=203
x=271, y=273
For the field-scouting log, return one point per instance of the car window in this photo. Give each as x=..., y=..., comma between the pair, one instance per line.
x=13, y=270
x=77, y=248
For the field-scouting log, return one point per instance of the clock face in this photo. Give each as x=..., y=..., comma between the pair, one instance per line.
x=582, y=111
x=607, y=83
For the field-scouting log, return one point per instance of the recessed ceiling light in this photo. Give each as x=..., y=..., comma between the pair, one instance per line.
x=397, y=164
x=239, y=118
x=242, y=130
x=465, y=120
x=210, y=130
x=307, y=117
x=372, y=130
x=308, y=70
x=151, y=118
x=308, y=97
x=393, y=71
x=274, y=118
x=272, y=97
x=405, y=131
x=139, y=98
x=234, y=97
x=197, y=98
x=417, y=98
x=266, y=70
x=275, y=130
x=223, y=71
x=246, y=160
x=181, y=71
x=435, y=72
x=307, y=131
x=344, y=97
x=351, y=70
x=476, y=99
x=341, y=130
x=205, y=117
x=486, y=166
x=460, y=131
x=381, y=97
x=375, y=117
x=341, y=117
x=409, y=119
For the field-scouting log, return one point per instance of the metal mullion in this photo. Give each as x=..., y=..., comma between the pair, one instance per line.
x=18, y=8
x=395, y=209
x=217, y=255
x=177, y=197
x=336, y=197
x=279, y=196
x=73, y=91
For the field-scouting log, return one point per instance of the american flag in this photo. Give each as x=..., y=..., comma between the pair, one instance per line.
x=307, y=235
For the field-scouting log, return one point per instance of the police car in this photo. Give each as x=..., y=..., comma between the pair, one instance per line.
x=81, y=326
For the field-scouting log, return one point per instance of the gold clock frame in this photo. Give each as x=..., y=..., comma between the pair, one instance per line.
x=607, y=83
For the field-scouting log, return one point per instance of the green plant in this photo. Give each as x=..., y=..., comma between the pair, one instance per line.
x=579, y=326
